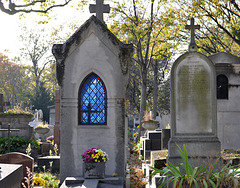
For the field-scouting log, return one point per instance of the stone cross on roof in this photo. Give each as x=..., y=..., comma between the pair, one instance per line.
x=192, y=46
x=99, y=9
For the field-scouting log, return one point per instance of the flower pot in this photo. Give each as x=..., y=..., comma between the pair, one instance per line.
x=94, y=170
x=150, y=125
x=42, y=130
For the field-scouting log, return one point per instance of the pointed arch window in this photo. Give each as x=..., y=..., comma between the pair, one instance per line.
x=92, y=101
x=222, y=87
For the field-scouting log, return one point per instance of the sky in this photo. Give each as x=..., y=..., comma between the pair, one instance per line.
x=10, y=25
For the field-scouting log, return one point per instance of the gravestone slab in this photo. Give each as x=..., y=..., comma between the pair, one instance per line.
x=11, y=175
x=19, y=158
x=150, y=143
x=154, y=135
x=193, y=96
x=193, y=108
x=166, y=134
x=51, y=163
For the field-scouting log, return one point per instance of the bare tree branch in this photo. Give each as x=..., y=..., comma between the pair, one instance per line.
x=27, y=8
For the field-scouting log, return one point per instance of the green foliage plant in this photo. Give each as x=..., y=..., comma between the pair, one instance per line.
x=55, y=149
x=51, y=180
x=28, y=150
x=184, y=174
x=137, y=145
x=16, y=143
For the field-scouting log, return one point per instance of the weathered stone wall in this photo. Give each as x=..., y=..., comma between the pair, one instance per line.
x=16, y=121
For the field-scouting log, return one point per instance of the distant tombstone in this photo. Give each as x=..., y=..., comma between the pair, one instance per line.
x=19, y=158
x=193, y=108
x=92, y=70
x=1, y=102
x=57, y=119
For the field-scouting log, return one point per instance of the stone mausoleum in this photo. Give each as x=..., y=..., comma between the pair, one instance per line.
x=92, y=70
x=228, y=99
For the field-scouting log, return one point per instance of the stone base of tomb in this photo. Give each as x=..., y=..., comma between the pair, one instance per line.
x=80, y=182
x=201, y=150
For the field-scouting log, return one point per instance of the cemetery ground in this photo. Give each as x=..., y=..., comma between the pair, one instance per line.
x=227, y=175
x=47, y=179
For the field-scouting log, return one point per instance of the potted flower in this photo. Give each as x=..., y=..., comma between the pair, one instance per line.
x=42, y=128
x=94, y=163
x=148, y=122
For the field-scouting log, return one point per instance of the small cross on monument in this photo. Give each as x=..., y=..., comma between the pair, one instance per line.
x=99, y=9
x=192, y=46
x=9, y=131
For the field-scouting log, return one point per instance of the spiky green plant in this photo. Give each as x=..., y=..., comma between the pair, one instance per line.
x=198, y=176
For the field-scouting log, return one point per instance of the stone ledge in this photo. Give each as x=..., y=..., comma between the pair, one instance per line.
x=80, y=181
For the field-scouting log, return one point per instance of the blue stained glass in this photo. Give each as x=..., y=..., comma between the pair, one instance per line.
x=92, y=101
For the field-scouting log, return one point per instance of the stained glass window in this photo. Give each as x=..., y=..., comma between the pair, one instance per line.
x=92, y=103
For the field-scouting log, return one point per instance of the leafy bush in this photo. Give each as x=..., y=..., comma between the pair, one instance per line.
x=198, y=176
x=16, y=143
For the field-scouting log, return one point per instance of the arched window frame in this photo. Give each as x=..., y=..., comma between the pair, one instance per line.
x=80, y=111
x=222, y=90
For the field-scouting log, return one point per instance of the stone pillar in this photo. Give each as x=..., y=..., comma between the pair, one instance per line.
x=57, y=119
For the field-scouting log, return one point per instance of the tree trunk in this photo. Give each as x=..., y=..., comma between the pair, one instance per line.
x=155, y=88
x=143, y=99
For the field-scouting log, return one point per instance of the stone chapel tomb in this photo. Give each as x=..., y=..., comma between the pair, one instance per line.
x=92, y=71
x=193, y=106
x=228, y=99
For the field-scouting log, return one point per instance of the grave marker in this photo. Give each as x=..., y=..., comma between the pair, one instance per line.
x=193, y=108
x=11, y=175
x=19, y=158
x=192, y=27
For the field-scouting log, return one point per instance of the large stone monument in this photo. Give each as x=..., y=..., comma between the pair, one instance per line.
x=92, y=70
x=193, y=107
x=228, y=99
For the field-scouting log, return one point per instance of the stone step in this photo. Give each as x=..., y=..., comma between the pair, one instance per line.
x=91, y=183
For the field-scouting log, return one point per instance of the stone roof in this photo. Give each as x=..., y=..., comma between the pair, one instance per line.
x=224, y=57
x=62, y=51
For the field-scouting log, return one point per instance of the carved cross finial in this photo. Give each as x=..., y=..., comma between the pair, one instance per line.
x=192, y=46
x=99, y=9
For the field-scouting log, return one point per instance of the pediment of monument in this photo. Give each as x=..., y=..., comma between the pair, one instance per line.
x=224, y=57
x=93, y=26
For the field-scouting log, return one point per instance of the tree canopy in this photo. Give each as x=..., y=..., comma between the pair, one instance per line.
x=219, y=21
x=150, y=26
